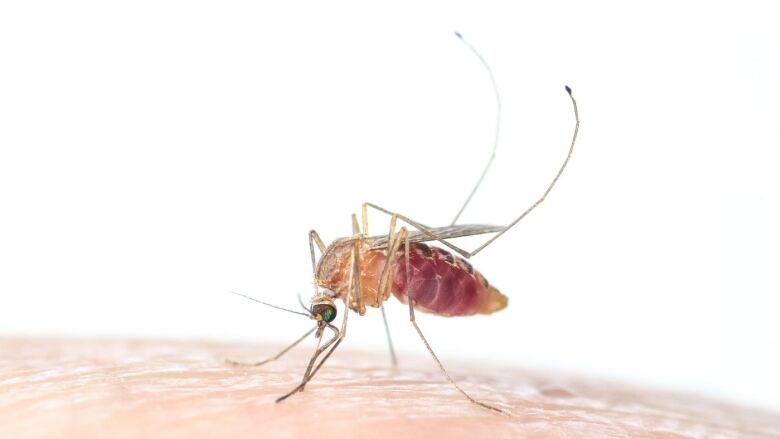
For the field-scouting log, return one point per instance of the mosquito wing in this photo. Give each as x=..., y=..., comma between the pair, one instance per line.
x=440, y=233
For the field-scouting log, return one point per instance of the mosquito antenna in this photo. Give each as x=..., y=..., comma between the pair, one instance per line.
x=303, y=305
x=268, y=304
x=498, y=125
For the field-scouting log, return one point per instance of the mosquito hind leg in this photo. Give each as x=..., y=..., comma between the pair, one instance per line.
x=468, y=254
x=403, y=235
x=419, y=226
x=497, y=129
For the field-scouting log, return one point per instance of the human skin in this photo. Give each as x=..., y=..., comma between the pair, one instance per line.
x=57, y=388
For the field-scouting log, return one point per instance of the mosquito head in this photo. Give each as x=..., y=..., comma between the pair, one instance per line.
x=323, y=309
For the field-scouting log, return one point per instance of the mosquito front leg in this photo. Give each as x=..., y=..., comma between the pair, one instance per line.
x=314, y=238
x=354, y=289
x=403, y=235
x=285, y=350
x=301, y=386
x=310, y=370
x=275, y=357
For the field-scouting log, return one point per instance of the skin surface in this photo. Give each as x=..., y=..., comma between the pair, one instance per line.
x=129, y=389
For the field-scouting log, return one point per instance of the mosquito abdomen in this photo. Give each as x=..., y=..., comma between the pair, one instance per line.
x=444, y=284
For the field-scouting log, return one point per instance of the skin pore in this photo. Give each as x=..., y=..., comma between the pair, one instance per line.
x=181, y=389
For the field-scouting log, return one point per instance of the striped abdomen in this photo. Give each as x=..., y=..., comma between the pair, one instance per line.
x=444, y=284
x=440, y=282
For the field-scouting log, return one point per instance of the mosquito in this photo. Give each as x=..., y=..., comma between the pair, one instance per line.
x=364, y=271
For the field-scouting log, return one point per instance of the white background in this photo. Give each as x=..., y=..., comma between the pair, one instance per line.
x=154, y=155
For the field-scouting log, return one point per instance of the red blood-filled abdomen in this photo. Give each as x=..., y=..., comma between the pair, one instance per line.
x=444, y=284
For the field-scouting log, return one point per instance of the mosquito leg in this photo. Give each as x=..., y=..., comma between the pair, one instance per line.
x=335, y=341
x=275, y=357
x=365, y=219
x=384, y=283
x=392, y=248
x=300, y=386
x=355, y=226
x=355, y=302
x=467, y=254
x=355, y=288
x=317, y=352
x=403, y=235
x=496, y=132
x=355, y=284
x=307, y=375
x=309, y=372
x=552, y=183
x=425, y=229
x=314, y=238
x=393, y=358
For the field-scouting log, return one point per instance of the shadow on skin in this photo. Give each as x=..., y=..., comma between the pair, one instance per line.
x=130, y=389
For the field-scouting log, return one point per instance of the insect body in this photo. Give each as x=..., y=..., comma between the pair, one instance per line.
x=363, y=271
x=444, y=284
x=440, y=283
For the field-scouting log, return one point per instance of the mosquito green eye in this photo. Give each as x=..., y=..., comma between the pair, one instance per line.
x=329, y=314
x=325, y=310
